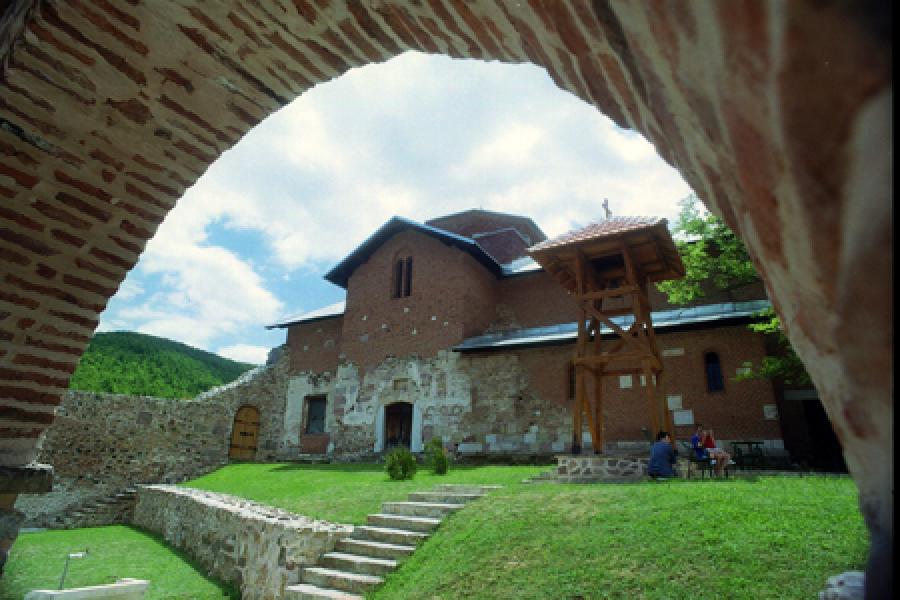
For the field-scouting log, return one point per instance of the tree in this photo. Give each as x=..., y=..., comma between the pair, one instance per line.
x=712, y=253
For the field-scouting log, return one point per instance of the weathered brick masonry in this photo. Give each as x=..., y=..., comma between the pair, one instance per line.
x=777, y=114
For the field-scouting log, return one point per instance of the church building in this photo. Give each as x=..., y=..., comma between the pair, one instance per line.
x=451, y=329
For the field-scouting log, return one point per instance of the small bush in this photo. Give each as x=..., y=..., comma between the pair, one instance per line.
x=400, y=464
x=441, y=464
x=437, y=456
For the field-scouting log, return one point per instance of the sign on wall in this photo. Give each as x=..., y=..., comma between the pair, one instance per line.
x=683, y=417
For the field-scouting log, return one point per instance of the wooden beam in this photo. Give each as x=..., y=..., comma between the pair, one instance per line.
x=651, y=398
x=592, y=425
x=597, y=434
x=608, y=293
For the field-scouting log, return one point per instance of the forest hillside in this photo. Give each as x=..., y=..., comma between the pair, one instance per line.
x=123, y=362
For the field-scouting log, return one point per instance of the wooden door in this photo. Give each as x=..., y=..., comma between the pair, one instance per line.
x=244, y=434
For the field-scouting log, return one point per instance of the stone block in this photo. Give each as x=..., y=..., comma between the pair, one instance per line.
x=470, y=447
x=124, y=589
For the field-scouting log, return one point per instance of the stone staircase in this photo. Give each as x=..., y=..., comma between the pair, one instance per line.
x=359, y=562
x=542, y=477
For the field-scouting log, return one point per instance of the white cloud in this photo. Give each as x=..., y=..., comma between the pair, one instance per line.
x=512, y=146
x=418, y=136
x=206, y=291
x=247, y=353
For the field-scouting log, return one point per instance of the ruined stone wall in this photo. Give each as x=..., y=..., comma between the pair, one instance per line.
x=102, y=443
x=257, y=548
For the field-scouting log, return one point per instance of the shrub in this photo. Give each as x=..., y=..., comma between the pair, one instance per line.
x=400, y=464
x=437, y=456
x=441, y=464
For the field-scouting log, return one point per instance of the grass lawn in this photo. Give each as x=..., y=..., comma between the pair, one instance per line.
x=773, y=537
x=770, y=538
x=37, y=561
x=343, y=493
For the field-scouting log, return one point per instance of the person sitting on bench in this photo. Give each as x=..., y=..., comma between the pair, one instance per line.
x=715, y=453
x=662, y=457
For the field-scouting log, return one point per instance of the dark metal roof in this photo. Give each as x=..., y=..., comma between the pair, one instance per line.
x=340, y=274
x=566, y=333
x=326, y=312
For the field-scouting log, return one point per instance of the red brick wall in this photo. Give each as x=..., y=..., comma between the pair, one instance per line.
x=536, y=299
x=734, y=413
x=315, y=346
x=452, y=297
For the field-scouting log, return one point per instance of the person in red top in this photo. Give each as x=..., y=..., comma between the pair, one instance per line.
x=714, y=452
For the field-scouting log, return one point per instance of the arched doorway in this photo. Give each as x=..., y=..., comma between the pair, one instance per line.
x=398, y=422
x=244, y=434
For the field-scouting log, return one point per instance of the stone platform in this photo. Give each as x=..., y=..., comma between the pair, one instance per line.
x=591, y=468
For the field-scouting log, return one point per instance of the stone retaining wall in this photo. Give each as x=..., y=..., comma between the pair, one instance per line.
x=101, y=444
x=589, y=469
x=258, y=548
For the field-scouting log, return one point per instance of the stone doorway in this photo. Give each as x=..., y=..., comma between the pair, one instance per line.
x=244, y=434
x=398, y=420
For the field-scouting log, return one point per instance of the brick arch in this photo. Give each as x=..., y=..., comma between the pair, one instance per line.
x=777, y=114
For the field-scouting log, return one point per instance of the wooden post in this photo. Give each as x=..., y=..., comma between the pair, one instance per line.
x=598, y=410
x=579, y=385
x=652, y=401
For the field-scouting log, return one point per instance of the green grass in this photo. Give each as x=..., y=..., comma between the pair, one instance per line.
x=343, y=493
x=774, y=537
x=37, y=560
x=770, y=538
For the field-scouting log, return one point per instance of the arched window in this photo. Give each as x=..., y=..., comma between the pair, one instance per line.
x=402, y=284
x=714, y=380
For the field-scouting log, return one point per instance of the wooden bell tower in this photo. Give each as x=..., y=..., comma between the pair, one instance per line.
x=607, y=267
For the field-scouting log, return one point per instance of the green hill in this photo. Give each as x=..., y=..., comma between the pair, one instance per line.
x=124, y=362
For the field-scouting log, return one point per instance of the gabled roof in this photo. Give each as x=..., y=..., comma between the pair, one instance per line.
x=341, y=273
x=609, y=227
x=471, y=222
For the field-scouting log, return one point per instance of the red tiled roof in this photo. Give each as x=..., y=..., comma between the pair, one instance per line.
x=606, y=228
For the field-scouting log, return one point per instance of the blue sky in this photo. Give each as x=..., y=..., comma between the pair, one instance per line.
x=418, y=136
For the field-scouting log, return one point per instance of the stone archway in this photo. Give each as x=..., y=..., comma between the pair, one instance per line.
x=777, y=114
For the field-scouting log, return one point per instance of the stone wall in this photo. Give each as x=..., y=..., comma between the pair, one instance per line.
x=257, y=548
x=517, y=401
x=100, y=444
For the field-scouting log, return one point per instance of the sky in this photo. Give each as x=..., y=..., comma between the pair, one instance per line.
x=418, y=136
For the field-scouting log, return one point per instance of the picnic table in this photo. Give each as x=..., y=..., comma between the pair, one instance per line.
x=748, y=454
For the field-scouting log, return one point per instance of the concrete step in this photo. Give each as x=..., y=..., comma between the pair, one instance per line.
x=463, y=488
x=434, y=510
x=306, y=591
x=355, y=563
x=390, y=535
x=340, y=580
x=375, y=549
x=444, y=497
x=420, y=524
